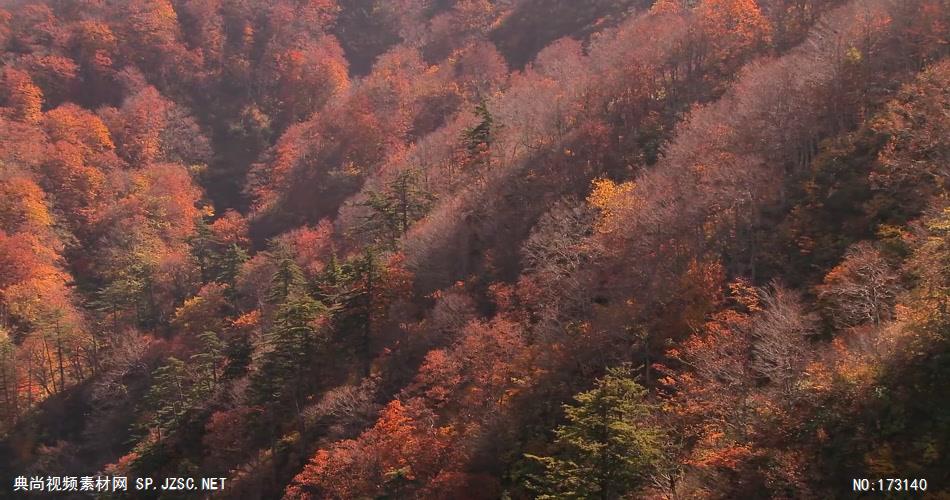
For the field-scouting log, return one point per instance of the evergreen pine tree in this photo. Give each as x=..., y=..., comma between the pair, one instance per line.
x=203, y=249
x=292, y=345
x=478, y=139
x=335, y=286
x=228, y=267
x=396, y=208
x=368, y=275
x=292, y=340
x=127, y=289
x=239, y=351
x=608, y=446
x=169, y=397
x=207, y=364
x=287, y=280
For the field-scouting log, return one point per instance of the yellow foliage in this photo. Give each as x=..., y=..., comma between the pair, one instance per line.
x=23, y=95
x=745, y=294
x=23, y=206
x=337, y=75
x=608, y=196
x=79, y=127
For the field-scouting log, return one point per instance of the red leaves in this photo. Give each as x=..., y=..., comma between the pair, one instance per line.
x=56, y=75
x=95, y=43
x=231, y=229
x=406, y=449
x=309, y=76
x=138, y=127
x=438, y=377
x=23, y=257
x=404, y=446
x=226, y=435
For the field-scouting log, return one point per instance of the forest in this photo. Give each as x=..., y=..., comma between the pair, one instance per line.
x=476, y=249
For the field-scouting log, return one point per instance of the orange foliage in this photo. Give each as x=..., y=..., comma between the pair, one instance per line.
x=139, y=126
x=404, y=446
x=79, y=127
x=23, y=207
x=95, y=42
x=438, y=376
x=309, y=77
x=78, y=185
x=231, y=228
x=669, y=7
x=609, y=197
x=22, y=95
x=475, y=375
x=34, y=26
x=312, y=246
x=23, y=257
x=733, y=26
x=5, y=18
x=44, y=303
x=247, y=320
x=914, y=158
x=56, y=75
x=153, y=23
x=269, y=179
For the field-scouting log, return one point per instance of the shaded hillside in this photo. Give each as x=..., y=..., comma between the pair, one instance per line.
x=476, y=249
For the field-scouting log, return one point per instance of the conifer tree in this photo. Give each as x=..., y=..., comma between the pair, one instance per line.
x=369, y=275
x=292, y=341
x=351, y=289
x=216, y=261
x=170, y=394
x=478, y=139
x=395, y=209
x=179, y=387
x=202, y=248
x=126, y=291
x=239, y=351
x=608, y=445
x=207, y=364
x=336, y=288
x=288, y=279
x=229, y=265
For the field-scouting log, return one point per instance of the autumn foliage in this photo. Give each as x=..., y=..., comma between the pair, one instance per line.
x=476, y=249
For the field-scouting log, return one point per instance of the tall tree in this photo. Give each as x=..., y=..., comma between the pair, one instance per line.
x=479, y=138
x=291, y=343
x=404, y=201
x=169, y=397
x=208, y=363
x=608, y=446
x=21, y=94
x=9, y=386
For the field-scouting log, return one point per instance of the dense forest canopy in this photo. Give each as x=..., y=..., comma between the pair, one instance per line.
x=515, y=249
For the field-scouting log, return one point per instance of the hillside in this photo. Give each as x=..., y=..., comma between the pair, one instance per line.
x=475, y=249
